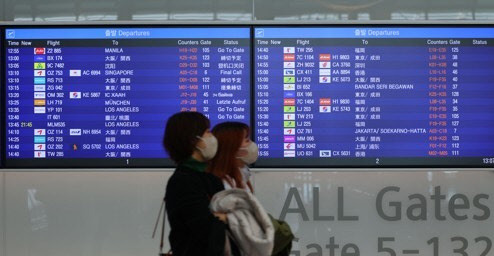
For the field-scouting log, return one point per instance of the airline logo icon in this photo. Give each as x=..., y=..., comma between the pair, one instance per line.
x=324, y=153
x=75, y=72
x=324, y=57
x=39, y=146
x=288, y=57
x=289, y=87
x=39, y=132
x=39, y=65
x=39, y=139
x=39, y=110
x=39, y=88
x=289, y=109
x=39, y=102
x=289, y=79
x=39, y=80
x=288, y=94
x=324, y=79
x=289, y=146
x=75, y=95
x=289, y=139
x=324, y=101
x=288, y=64
x=39, y=51
x=39, y=73
x=324, y=109
x=75, y=132
x=38, y=58
x=288, y=116
x=288, y=72
x=289, y=102
x=39, y=95
x=289, y=124
x=288, y=131
x=288, y=49
x=324, y=72
x=288, y=153
x=39, y=154
x=324, y=64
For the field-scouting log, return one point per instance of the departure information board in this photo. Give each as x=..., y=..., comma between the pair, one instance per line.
x=100, y=96
x=374, y=96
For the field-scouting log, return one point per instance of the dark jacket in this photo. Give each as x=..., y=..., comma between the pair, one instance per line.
x=194, y=229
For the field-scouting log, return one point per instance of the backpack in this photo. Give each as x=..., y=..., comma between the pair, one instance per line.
x=283, y=237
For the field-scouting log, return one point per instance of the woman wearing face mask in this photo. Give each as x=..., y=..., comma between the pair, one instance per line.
x=194, y=229
x=235, y=152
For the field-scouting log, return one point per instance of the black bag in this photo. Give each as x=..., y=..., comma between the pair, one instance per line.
x=162, y=209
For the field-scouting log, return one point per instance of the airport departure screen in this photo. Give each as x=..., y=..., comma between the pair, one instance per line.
x=101, y=96
x=374, y=96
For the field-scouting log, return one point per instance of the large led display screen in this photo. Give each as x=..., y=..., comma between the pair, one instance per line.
x=100, y=96
x=374, y=96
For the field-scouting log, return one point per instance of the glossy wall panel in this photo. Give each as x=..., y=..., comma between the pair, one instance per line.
x=56, y=213
x=320, y=206
x=373, y=10
x=113, y=213
x=227, y=10
x=91, y=10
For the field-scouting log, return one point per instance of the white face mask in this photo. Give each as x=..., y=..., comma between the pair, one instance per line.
x=211, y=147
x=252, y=153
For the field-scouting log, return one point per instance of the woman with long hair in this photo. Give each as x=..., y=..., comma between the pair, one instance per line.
x=235, y=152
x=194, y=229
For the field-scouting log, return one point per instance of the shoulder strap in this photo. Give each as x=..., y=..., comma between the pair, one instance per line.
x=249, y=185
x=162, y=210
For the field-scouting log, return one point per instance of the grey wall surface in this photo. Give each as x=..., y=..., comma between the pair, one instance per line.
x=2, y=215
x=244, y=10
x=88, y=213
x=113, y=213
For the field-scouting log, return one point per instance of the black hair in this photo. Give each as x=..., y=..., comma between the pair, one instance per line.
x=181, y=134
